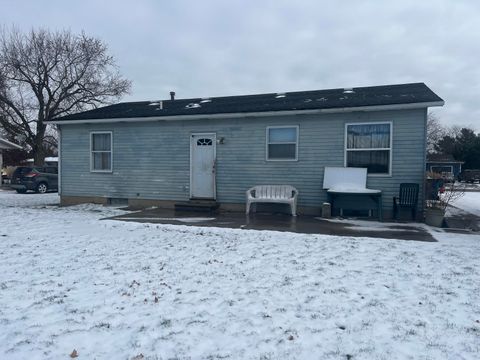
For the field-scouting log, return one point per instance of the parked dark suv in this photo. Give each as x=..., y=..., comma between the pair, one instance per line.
x=37, y=178
x=469, y=175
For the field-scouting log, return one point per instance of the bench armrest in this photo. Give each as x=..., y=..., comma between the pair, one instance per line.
x=251, y=193
x=395, y=199
x=294, y=193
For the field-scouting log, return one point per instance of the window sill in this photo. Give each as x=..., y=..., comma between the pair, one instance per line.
x=380, y=175
x=102, y=171
x=281, y=160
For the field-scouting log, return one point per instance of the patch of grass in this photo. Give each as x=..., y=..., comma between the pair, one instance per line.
x=165, y=323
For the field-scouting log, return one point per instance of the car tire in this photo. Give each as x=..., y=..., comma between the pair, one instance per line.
x=20, y=191
x=42, y=188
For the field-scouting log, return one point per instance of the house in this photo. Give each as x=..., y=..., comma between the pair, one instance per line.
x=5, y=145
x=169, y=151
x=445, y=165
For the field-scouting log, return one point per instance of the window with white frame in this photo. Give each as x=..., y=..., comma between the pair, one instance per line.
x=443, y=170
x=101, y=151
x=282, y=143
x=369, y=146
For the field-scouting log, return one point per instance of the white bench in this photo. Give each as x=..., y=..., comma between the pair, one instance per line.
x=285, y=194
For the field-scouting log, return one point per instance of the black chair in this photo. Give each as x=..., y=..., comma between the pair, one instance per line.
x=408, y=198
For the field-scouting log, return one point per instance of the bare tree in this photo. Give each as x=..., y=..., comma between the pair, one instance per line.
x=45, y=75
x=435, y=132
x=447, y=195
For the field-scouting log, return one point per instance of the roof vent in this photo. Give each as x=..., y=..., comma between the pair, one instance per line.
x=172, y=95
x=348, y=91
x=157, y=103
x=193, y=106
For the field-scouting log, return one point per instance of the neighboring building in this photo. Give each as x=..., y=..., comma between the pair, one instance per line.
x=5, y=145
x=164, y=152
x=444, y=165
x=49, y=161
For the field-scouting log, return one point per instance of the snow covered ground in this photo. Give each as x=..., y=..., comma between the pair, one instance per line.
x=113, y=290
x=469, y=202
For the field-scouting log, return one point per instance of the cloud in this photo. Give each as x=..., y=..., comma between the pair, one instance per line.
x=210, y=48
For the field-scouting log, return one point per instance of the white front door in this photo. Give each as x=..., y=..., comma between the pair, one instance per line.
x=202, y=166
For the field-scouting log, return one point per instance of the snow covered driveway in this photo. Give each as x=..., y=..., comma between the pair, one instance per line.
x=469, y=202
x=114, y=290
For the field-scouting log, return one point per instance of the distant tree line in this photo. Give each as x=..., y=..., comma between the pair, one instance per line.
x=461, y=143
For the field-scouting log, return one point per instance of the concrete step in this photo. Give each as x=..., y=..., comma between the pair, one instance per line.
x=209, y=206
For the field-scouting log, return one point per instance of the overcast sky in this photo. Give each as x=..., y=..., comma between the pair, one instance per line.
x=214, y=48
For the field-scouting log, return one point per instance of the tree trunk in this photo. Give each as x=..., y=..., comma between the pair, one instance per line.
x=39, y=148
x=39, y=157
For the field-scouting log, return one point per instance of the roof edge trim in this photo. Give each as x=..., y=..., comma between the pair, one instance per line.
x=9, y=143
x=446, y=161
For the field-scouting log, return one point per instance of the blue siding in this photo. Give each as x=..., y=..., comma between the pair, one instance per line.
x=151, y=160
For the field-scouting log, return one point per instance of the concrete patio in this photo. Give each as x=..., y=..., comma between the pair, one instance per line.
x=281, y=222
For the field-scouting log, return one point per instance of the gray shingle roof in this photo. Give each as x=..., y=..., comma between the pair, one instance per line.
x=443, y=158
x=302, y=100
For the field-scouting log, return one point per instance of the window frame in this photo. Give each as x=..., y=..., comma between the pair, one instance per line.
x=441, y=166
x=267, y=142
x=390, y=148
x=92, y=133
